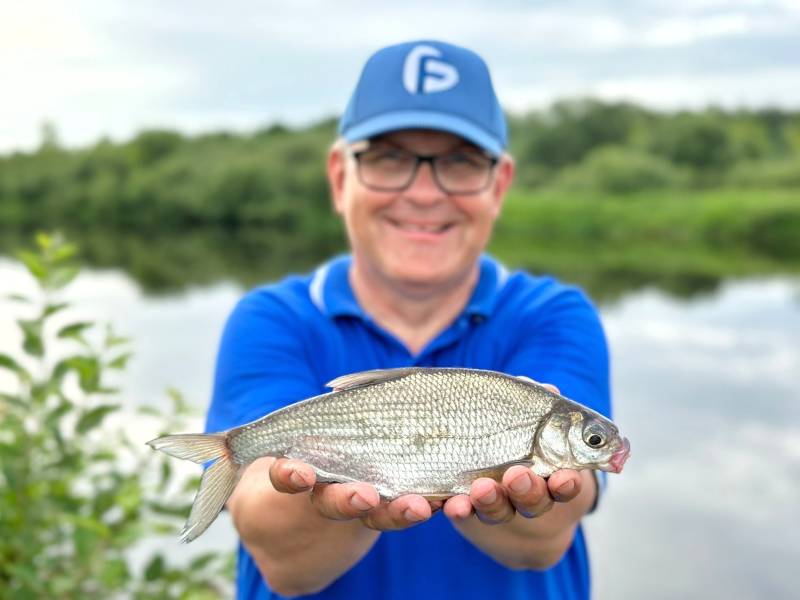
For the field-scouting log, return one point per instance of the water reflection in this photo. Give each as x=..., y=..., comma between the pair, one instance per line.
x=165, y=263
x=705, y=388
x=707, y=392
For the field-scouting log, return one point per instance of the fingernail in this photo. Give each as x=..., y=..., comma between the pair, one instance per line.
x=521, y=484
x=359, y=503
x=410, y=515
x=298, y=480
x=566, y=488
x=488, y=498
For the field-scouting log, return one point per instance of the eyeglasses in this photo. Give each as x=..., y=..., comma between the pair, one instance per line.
x=386, y=168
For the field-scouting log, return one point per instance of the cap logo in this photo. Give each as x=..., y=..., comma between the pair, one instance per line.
x=423, y=73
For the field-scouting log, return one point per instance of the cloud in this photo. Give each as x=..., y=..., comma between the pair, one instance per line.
x=110, y=68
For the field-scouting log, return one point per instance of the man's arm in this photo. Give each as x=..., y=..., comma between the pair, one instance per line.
x=301, y=541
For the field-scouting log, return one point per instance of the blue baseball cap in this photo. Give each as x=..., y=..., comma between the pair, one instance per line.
x=426, y=85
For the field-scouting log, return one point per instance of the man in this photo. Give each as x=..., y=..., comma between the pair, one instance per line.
x=418, y=177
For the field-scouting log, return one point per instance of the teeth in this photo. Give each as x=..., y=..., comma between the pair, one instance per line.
x=423, y=228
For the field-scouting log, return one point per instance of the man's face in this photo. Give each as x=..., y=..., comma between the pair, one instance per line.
x=421, y=235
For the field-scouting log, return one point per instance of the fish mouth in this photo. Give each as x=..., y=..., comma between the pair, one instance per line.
x=619, y=457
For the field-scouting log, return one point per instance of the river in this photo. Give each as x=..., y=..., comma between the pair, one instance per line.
x=705, y=387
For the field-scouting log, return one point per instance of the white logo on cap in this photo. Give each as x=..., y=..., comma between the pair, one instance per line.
x=437, y=75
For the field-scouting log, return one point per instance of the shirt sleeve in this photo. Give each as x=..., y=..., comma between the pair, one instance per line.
x=262, y=363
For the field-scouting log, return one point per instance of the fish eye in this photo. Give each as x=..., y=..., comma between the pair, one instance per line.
x=594, y=436
x=595, y=440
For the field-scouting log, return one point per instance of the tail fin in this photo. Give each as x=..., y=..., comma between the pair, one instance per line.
x=217, y=483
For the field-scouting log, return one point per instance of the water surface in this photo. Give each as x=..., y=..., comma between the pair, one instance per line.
x=705, y=387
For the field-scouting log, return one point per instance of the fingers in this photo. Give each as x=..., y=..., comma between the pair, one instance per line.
x=487, y=500
x=291, y=476
x=400, y=513
x=521, y=491
x=564, y=485
x=549, y=386
x=343, y=501
x=527, y=492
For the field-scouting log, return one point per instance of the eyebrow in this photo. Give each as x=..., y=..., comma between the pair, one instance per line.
x=377, y=141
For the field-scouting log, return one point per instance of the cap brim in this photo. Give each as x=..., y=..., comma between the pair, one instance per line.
x=424, y=120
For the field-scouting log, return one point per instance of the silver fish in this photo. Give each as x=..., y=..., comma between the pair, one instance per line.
x=428, y=431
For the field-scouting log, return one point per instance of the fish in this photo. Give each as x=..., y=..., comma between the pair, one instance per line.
x=421, y=430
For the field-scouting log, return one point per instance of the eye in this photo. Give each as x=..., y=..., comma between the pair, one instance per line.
x=465, y=160
x=595, y=440
x=385, y=156
x=595, y=436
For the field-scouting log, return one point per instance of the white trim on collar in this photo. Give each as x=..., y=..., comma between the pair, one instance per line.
x=317, y=287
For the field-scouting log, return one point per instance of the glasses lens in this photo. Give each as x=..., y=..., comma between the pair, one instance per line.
x=386, y=168
x=463, y=172
x=392, y=169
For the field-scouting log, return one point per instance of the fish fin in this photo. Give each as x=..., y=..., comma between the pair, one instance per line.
x=442, y=496
x=364, y=378
x=494, y=472
x=543, y=469
x=197, y=447
x=216, y=487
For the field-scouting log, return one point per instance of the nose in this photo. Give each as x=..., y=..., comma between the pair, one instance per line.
x=423, y=188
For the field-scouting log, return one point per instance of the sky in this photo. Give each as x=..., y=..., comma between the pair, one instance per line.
x=108, y=68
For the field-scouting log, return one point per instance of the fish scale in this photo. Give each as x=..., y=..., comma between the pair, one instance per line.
x=429, y=431
x=416, y=433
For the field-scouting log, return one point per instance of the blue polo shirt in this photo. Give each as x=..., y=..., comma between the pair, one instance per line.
x=284, y=341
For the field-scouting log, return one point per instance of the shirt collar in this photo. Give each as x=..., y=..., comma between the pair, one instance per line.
x=331, y=293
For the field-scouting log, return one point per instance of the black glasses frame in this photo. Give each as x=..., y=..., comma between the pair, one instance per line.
x=423, y=158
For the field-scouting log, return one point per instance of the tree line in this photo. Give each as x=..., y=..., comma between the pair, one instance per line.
x=274, y=177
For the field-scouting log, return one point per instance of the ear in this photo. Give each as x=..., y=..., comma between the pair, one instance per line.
x=336, y=176
x=504, y=175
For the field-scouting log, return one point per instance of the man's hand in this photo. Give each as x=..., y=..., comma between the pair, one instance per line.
x=346, y=501
x=521, y=491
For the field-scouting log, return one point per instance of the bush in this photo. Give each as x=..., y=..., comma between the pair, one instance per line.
x=621, y=170
x=76, y=494
x=783, y=173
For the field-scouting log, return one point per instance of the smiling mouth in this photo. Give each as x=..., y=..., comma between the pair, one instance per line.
x=420, y=227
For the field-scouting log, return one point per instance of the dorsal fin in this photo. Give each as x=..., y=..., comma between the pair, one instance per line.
x=364, y=378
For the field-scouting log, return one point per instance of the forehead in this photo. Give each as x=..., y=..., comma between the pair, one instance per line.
x=428, y=139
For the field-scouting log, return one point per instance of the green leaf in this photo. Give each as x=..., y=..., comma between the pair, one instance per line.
x=191, y=484
x=120, y=362
x=45, y=240
x=114, y=340
x=74, y=330
x=155, y=568
x=18, y=298
x=32, y=332
x=6, y=362
x=53, y=418
x=52, y=309
x=88, y=371
x=33, y=263
x=202, y=561
x=13, y=400
x=61, y=277
x=166, y=474
x=64, y=252
x=114, y=573
x=151, y=411
x=103, y=456
x=179, y=405
x=94, y=417
x=169, y=510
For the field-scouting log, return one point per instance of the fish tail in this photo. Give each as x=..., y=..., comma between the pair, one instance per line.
x=217, y=483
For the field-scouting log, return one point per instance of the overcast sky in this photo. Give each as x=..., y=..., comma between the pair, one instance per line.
x=110, y=68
